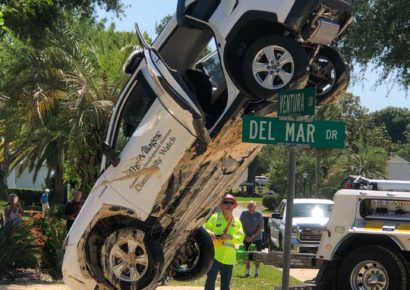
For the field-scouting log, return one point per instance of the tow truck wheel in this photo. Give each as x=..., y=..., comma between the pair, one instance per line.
x=194, y=258
x=271, y=64
x=372, y=267
x=131, y=259
x=329, y=74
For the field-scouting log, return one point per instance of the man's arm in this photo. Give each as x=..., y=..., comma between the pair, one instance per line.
x=260, y=225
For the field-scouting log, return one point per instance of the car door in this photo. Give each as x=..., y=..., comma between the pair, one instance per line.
x=155, y=122
x=276, y=222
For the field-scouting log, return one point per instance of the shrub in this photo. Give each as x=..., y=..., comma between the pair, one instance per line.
x=53, y=234
x=56, y=211
x=271, y=201
x=18, y=248
x=27, y=197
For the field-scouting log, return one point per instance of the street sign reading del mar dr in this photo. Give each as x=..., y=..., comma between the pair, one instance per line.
x=318, y=134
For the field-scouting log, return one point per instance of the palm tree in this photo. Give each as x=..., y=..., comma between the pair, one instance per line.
x=363, y=160
x=64, y=100
x=326, y=112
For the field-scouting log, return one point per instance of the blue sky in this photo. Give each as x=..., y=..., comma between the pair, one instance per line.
x=147, y=12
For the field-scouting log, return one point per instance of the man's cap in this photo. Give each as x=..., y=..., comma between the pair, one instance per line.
x=47, y=190
x=230, y=197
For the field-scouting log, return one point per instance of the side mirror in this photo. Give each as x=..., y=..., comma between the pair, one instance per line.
x=133, y=61
x=110, y=153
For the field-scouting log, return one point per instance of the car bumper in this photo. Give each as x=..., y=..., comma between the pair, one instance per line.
x=300, y=247
x=72, y=275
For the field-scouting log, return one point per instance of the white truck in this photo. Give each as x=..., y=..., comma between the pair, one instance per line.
x=310, y=216
x=366, y=243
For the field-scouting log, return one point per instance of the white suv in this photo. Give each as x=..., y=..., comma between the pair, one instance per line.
x=173, y=147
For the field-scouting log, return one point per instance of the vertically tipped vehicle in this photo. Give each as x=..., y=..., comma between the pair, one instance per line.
x=173, y=147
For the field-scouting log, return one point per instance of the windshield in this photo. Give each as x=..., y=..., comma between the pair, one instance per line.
x=312, y=210
x=211, y=65
x=134, y=111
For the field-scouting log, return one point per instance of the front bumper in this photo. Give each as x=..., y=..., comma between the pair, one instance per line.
x=301, y=247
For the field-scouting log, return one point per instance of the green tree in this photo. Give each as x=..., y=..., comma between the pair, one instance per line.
x=30, y=19
x=361, y=126
x=162, y=23
x=380, y=35
x=395, y=120
x=64, y=95
x=361, y=159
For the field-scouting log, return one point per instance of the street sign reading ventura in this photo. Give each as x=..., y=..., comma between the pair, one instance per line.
x=318, y=134
x=297, y=102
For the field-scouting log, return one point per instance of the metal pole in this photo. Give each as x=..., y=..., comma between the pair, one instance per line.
x=288, y=221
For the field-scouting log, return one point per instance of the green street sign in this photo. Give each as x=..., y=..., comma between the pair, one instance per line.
x=297, y=102
x=317, y=134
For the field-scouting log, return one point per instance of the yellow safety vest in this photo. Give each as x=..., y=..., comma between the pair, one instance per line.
x=225, y=252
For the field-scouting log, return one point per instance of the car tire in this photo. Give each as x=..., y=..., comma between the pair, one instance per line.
x=131, y=259
x=372, y=267
x=194, y=258
x=271, y=64
x=329, y=74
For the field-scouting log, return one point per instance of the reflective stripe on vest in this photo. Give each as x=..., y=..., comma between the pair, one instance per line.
x=228, y=245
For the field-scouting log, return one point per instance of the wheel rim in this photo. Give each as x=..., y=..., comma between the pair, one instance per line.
x=369, y=275
x=273, y=67
x=322, y=75
x=128, y=258
x=188, y=257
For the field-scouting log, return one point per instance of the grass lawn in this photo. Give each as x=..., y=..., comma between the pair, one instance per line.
x=243, y=202
x=268, y=278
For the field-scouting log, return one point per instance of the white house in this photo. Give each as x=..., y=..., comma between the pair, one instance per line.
x=25, y=179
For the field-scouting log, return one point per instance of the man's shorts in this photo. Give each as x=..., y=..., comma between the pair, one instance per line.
x=257, y=243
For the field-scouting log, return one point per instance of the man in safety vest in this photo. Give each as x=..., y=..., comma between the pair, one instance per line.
x=226, y=232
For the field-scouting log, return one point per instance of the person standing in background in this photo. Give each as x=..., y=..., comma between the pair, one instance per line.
x=13, y=213
x=72, y=208
x=226, y=232
x=252, y=223
x=44, y=202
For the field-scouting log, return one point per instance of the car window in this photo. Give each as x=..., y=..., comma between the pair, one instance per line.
x=312, y=210
x=211, y=65
x=133, y=112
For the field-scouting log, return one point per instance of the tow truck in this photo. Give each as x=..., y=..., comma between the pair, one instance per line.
x=366, y=244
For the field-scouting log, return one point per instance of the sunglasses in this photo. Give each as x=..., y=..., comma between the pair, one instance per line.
x=228, y=202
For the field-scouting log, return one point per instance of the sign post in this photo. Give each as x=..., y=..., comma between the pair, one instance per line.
x=289, y=130
x=288, y=219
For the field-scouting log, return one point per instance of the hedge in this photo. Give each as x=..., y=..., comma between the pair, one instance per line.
x=271, y=201
x=27, y=196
